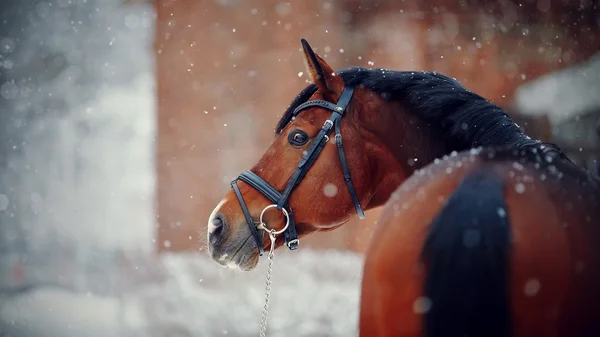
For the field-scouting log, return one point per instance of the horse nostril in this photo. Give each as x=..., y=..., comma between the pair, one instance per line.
x=218, y=224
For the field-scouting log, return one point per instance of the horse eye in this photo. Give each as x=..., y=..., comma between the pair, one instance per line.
x=298, y=138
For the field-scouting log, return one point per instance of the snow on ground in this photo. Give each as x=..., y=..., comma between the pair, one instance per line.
x=314, y=293
x=57, y=312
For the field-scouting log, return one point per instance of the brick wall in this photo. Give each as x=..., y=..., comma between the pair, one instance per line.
x=227, y=69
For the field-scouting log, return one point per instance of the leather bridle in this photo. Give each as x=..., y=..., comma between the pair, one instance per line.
x=280, y=199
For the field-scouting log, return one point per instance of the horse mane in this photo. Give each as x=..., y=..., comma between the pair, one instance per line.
x=467, y=119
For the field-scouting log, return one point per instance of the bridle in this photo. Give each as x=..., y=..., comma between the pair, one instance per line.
x=280, y=199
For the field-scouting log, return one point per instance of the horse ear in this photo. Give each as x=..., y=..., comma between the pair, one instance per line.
x=321, y=74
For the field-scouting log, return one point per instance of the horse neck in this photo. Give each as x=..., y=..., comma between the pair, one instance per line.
x=407, y=144
x=412, y=143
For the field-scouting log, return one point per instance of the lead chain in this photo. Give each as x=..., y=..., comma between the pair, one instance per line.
x=263, y=325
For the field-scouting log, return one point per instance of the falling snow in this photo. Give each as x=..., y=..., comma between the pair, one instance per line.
x=4, y=202
x=517, y=166
x=330, y=190
x=77, y=85
x=422, y=305
x=532, y=287
x=9, y=90
x=520, y=188
x=501, y=212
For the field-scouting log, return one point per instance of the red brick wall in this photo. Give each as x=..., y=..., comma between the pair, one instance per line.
x=225, y=73
x=227, y=69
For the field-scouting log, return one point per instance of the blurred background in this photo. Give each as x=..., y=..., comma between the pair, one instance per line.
x=122, y=123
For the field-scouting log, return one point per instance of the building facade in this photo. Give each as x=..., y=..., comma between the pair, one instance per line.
x=227, y=69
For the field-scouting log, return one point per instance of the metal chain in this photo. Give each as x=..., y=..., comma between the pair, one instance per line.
x=263, y=324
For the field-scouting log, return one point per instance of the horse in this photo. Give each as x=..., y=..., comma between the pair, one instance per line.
x=484, y=230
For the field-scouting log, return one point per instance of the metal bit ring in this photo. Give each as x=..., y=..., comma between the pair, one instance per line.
x=263, y=226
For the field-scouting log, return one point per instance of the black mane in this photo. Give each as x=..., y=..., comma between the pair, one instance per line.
x=467, y=119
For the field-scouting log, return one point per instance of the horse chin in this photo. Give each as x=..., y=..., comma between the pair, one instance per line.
x=246, y=258
x=245, y=263
x=238, y=252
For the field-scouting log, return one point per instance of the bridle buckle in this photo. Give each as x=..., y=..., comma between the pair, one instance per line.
x=293, y=244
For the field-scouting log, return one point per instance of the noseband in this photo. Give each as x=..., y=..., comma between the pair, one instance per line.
x=280, y=200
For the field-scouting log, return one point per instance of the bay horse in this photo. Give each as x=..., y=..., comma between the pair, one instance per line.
x=484, y=232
